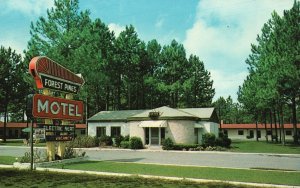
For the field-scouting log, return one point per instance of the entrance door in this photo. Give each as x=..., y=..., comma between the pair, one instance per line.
x=154, y=136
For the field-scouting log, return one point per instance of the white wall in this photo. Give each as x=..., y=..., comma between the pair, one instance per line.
x=233, y=134
x=92, y=127
x=181, y=131
x=137, y=131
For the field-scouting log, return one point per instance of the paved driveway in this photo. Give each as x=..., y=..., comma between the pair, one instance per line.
x=212, y=159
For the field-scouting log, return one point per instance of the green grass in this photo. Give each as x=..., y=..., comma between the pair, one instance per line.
x=19, y=142
x=243, y=175
x=264, y=147
x=21, y=178
x=7, y=160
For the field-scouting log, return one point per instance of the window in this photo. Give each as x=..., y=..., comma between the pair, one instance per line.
x=251, y=134
x=82, y=132
x=258, y=134
x=288, y=133
x=240, y=132
x=162, y=133
x=269, y=132
x=115, y=131
x=101, y=131
x=225, y=132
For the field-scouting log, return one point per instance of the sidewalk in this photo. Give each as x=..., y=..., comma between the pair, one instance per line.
x=155, y=177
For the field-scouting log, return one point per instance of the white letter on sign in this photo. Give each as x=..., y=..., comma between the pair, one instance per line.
x=71, y=110
x=64, y=105
x=52, y=108
x=43, y=107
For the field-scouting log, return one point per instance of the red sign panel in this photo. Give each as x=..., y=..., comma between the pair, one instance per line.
x=51, y=75
x=57, y=108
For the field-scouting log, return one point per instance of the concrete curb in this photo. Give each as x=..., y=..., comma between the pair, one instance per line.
x=155, y=177
x=171, y=151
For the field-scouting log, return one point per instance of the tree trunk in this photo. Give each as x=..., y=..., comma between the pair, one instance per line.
x=294, y=120
x=129, y=96
x=4, y=124
x=265, y=119
x=279, y=123
x=271, y=124
x=282, y=127
x=107, y=98
x=119, y=93
x=275, y=123
x=256, y=127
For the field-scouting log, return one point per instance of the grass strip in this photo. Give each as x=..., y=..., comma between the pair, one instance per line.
x=264, y=147
x=225, y=174
x=7, y=160
x=25, y=178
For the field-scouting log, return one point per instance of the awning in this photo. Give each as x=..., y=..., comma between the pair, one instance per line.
x=198, y=125
x=150, y=123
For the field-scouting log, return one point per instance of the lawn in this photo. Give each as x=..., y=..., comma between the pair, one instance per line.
x=21, y=178
x=7, y=160
x=19, y=142
x=264, y=147
x=243, y=175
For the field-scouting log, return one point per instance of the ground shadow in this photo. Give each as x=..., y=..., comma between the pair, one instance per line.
x=126, y=160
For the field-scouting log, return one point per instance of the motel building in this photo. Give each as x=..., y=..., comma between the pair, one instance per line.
x=248, y=131
x=183, y=126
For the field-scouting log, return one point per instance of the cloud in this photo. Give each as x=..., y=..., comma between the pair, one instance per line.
x=159, y=23
x=116, y=28
x=18, y=46
x=222, y=33
x=227, y=84
x=29, y=7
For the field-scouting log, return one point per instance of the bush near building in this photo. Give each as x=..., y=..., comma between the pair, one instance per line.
x=210, y=143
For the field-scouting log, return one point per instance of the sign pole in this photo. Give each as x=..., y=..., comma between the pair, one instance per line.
x=50, y=145
x=31, y=145
x=62, y=145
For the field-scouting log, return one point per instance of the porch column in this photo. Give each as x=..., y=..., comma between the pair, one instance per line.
x=149, y=136
x=159, y=136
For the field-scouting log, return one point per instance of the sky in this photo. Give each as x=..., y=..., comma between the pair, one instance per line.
x=219, y=32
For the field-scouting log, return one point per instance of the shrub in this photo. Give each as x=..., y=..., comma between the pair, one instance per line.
x=208, y=139
x=125, y=144
x=185, y=147
x=249, y=137
x=126, y=138
x=136, y=143
x=71, y=153
x=118, y=140
x=38, y=156
x=223, y=141
x=167, y=144
x=105, y=140
x=85, y=142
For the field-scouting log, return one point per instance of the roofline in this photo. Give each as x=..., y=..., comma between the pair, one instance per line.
x=163, y=118
x=109, y=120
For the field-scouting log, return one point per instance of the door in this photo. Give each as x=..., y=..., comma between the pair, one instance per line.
x=154, y=136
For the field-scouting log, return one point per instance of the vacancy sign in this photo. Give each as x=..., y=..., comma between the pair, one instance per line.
x=57, y=108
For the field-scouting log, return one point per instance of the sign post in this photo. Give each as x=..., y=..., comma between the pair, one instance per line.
x=49, y=76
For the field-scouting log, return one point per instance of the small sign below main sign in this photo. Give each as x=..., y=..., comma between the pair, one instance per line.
x=57, y=108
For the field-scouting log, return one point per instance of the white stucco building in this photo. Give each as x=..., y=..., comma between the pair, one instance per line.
x=185, y=126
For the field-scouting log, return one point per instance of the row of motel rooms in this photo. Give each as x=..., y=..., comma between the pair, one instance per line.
x=233, y=131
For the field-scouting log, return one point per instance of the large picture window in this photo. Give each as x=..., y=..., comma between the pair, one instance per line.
x=101, y=131
x=115, y=131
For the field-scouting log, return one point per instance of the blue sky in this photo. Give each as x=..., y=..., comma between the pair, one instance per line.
x=219, y=32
